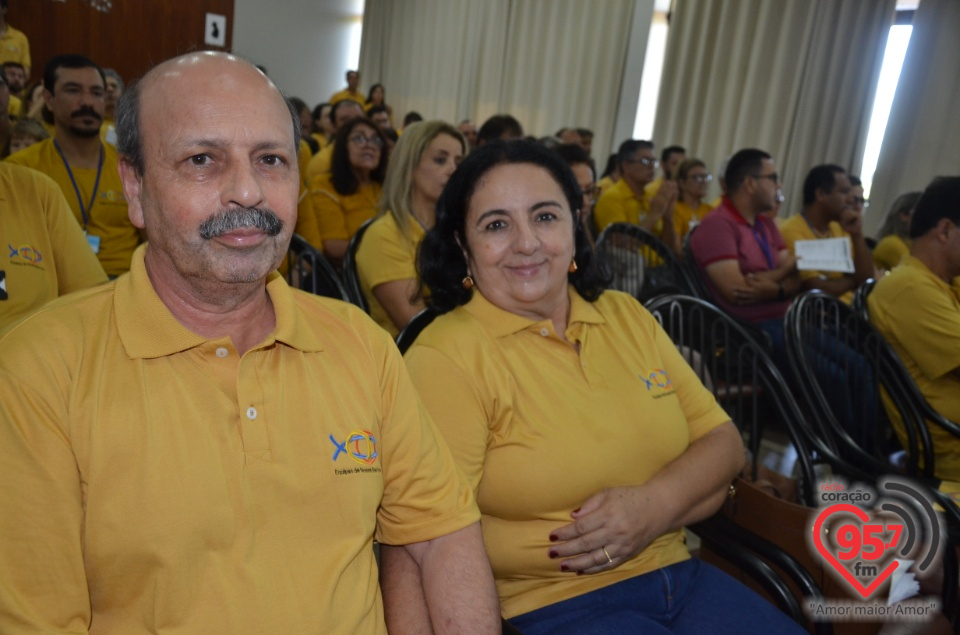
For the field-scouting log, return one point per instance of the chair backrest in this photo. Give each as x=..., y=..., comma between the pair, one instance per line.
x=859, y=303
x=842, y=366
x=308, y=270
x=409, y=333
x=640, y=263
x=740, y=373
x=351, y=277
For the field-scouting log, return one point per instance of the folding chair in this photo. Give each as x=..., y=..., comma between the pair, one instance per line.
x=308, y=270
x=351, y=277
x=640, y=264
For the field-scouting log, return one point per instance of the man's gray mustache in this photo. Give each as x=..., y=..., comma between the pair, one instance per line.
x=224, y=222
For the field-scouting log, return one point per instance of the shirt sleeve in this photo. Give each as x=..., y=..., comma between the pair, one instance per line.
x=43, y=588
x=425, y=495
x=77, y=266
x=714, y=241
x=608, y=211
x=327, y=205
x=307, y=225
x=926, y=323
x=385, y=256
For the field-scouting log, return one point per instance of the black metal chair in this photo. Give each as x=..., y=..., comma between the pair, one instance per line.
x=639, y=262
x=308, y=270
x=351, y=277
x=417, y=323
x=694, y=274
x=859, y=303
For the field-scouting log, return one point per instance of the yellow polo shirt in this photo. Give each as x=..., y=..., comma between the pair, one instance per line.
x=44, y=252
x=155, y=480
x=919, y=315
x=538, y=429
x=797, y=228
x=346, y=94
x=339, y=216
x=686, y=218
x=889, y=251
x=386, y=255
x=320, y=162
x=14, y=47
x=618, y=204
x=108, y=219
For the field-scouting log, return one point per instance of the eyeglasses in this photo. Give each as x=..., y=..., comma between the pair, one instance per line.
x=645, y=161
x=701, y=178
x=775, y=178
x=861, y=202
x=361, y=141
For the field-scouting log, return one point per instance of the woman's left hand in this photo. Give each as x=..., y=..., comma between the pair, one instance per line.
x=611, y=527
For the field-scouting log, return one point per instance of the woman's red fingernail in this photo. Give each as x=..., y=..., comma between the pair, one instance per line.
x=564, y=567
x=576, y=511
x=553, y=554
x=553, y=538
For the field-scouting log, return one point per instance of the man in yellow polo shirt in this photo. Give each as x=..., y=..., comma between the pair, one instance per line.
x=828, y=213
x=14, y=46
x=918, y=313
x=198, y=447
x=44, y=254
x=351, y=92
x=626, y=202
x=82, y=165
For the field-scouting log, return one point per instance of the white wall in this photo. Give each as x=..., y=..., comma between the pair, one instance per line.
x=304, y=44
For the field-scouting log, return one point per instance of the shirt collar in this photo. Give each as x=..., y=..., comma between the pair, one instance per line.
x=148, y=329
x=912, y=261
x=501, y=323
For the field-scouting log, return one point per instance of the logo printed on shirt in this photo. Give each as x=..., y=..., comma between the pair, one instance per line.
x=361, y=446
x=24, y=255
x=657, y=381
x=111, y=196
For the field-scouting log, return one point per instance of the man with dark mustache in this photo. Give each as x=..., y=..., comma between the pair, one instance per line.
x=83, y=166
x=197, y=447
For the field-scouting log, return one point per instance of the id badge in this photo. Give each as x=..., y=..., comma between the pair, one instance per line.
x=94, y=242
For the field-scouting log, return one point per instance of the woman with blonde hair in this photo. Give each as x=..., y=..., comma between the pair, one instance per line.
x=894, y=234
x=420, y=165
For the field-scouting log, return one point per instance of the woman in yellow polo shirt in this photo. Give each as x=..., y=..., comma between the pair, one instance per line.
x=693, y=180
x=894, y=234
x=348, y=196
x=588, y=441
x=420, y=165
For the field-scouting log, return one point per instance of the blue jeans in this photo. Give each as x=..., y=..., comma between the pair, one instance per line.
x=689, y=597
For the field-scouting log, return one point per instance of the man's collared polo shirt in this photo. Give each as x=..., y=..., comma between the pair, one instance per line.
x=726, y=235
x=108, y=219
x=156, y=480
x=797, y=228
x=919, y=315
x=618, y=204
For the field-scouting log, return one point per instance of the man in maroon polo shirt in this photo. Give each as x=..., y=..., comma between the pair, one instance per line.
x=748, y=268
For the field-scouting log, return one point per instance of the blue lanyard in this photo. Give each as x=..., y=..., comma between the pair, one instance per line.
x=761, y=238
x=76, y=189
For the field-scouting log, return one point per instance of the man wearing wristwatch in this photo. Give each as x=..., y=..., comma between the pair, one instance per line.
x=747, y=266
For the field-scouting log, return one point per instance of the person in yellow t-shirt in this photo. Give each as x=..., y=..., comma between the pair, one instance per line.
x=918, y=313
x=670, y=159
x=420, y=165
x=588, y=440
x=46, y=255
x=82, y=165
x=14, y=45
x=626, y=201
x=351, y=92
x=349, y=195
x=341, y=113
x=693, y=180
x=203, y=445
x=322, y=125
x=894, y=235
x=827, y=213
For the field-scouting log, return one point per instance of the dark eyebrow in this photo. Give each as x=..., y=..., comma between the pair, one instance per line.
x=533, y=208
x=221, y=145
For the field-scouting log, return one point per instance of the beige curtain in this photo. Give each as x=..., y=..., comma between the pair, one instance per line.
x=922, y=139
x=793, y=77
x=550, y=63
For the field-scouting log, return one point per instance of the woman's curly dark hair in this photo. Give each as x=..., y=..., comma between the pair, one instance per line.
x=342, y=176
x=441, y=262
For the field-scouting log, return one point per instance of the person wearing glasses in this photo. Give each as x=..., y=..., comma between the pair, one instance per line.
x=348, y=196
x=828, y=213
x=748, y=268
x=626, y=201
x=693, y=180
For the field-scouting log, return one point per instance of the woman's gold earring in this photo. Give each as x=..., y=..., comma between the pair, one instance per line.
x=467, y=282
x=573, y=266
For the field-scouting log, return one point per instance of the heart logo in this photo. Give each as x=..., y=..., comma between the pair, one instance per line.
x=852, y=538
